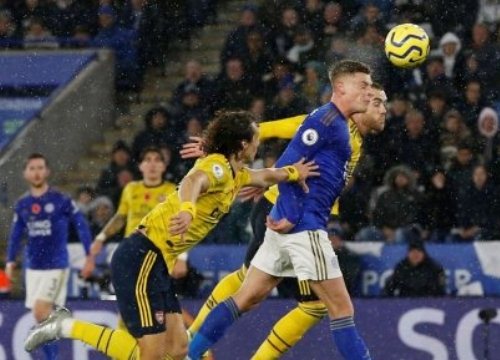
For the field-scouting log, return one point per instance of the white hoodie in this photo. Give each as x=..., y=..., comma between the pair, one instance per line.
x=449, y=61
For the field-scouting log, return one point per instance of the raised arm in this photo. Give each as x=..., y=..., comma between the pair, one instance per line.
x=282, y=128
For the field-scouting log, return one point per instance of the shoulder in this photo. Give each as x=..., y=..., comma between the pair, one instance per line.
x=169, y=185
x=58, y=195
x=215, y=166
x=325, y=115
x=133, y=185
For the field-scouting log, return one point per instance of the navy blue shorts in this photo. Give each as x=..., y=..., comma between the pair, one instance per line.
x=143, y=287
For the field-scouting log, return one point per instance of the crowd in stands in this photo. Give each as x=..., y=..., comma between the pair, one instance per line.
x=138, y=31
x=436, y=165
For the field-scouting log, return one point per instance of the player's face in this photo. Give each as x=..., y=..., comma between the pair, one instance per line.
x=250, y=149
x=357, y=89
x=152, y=166
x=376, y=112
x=36, y=173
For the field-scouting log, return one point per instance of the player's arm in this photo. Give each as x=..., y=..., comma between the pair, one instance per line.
x=114, y=225
x=15, y=237
x=298, y=172
x=190, y=188
x=84, y=235
x=282, y=128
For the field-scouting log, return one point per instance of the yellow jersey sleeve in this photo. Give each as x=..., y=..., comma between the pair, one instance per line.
x=124, y=205
x=282, y=128
x=217, y=170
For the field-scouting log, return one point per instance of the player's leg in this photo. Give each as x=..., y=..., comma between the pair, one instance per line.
x=44, y=288
x=230, y=284
x=294, y=325
x=257, y=285
x=322, y=269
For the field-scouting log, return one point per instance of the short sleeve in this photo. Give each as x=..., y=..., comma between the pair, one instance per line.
x=218, y=173
x=124, y=206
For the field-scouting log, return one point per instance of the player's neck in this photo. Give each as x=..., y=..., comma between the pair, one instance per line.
x=343, y=106
x=235, y=163
x=152, y=182
x=362, y=128
x=38, y=191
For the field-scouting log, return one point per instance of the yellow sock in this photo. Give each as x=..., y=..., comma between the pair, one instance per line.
x=224, y=289
x=117, y=344
x=290, y=329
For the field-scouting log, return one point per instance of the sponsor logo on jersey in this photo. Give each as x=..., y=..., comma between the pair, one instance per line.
x=310, y=137
x=39, y=228
x=49, y=208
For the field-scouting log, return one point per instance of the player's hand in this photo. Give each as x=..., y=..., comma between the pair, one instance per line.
x=251, y=193
x=193, y=149
x=306, y=170
x=9, y=269
x=282, y=226
x=180, y=223
x=96, y=247
x=88, y=267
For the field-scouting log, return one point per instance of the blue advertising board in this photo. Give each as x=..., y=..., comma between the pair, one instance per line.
x=394, y=329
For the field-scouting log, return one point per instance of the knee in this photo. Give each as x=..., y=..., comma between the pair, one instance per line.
x=41, y=313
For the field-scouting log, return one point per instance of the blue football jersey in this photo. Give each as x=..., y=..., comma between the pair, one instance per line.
x=45, y=220
x=324, y=138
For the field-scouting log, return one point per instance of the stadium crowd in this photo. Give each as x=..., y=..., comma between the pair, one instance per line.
x=433, y=172
x=436, y=164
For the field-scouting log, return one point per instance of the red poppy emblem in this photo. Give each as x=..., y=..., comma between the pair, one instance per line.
x=36, y=208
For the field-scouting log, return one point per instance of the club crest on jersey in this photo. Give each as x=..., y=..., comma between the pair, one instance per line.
x=218, y=171
x=49, y=208
x=35, y=209
x=310, y=137
x=159, y=316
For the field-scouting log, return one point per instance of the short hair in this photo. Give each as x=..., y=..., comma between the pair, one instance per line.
x=151, y=149
x=349, y=67
x=34, y=156
x=226, y=132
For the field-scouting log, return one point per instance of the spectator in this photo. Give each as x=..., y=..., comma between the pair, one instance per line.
x=449, y=15
x=233, y=90
x=81, y=37
x=333, y=26
x=8, y=34
x=25, y=11
x=194, y=76
x=337, y=50
x=158, y=131
x=303, y=49
x=83, y=199
x=258, y=58
x=37, y=36
x=471, y=104
x=417, y=275
x=101, y=211
x=369, y=15
x=281, y=70
x=461, y=168
x=399, y=206
x=142, y=16
x=414, y=147
x=190, y=106
x=435, y=79
x=313, y=16
x=122, y=42
x=436, y=107
x=236, y=41
x=439, y=205
x=453, y=133
x=258, y=108
x=488, y=138
x=453, y=59
x=477, y=207
x=313, y=85
x=283, y=38
x=120, y=160
x=288, y=102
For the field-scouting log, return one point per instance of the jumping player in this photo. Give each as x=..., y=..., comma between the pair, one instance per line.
x=140, y=265
x=296, y=242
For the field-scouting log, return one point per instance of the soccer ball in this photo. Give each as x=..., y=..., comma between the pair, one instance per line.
x=407, y=45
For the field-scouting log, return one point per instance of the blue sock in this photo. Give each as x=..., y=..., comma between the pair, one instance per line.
x=50, y=351
x=348, y=341
x=214, y=327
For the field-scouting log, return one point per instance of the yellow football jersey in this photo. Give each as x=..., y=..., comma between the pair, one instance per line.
x=137, y=200
x=210, y=207
x=355, y=140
